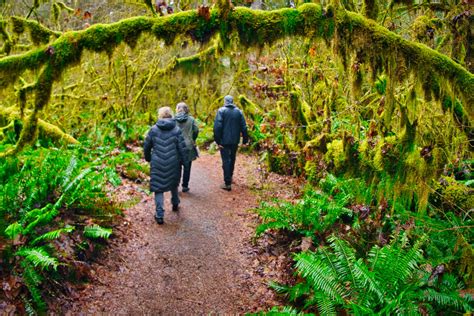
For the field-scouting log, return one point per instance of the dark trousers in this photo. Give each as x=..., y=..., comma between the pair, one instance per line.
x=159, y=201
x=228, y=153
x=185, y=170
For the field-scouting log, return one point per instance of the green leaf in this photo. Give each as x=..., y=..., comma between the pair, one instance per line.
x=38, y=257
x=53, y=234
x=113, y=177
x=97, y=231
x=13, y=230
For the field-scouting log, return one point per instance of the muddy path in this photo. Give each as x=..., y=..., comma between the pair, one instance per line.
x=202, y=260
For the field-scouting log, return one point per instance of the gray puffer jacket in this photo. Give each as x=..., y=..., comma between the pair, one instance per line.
x=190, y=130
x=164, y=147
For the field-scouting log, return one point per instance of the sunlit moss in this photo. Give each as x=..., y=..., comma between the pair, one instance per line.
x=335, y=154
x=352, y=33
x=39, y=34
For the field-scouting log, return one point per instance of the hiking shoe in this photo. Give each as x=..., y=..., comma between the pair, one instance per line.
x=159, y=220
x=185, y=189
x=175, y=208
x=226, y=187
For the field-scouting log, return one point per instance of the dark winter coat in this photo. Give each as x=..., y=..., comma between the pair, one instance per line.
x=190, y=130
x=164, y=148
x=229, y=124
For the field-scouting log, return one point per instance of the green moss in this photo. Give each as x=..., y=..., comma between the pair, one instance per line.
x=39, y=34
x=257, y=28
x=420, y=27
x=335, y=154
x=250, y=109
x=387, y=155
x=371, y=9
x=254, y=28
x=185, y=23
x=198, y=62
x=461, y=117
x=358, y=33
x=452, y=195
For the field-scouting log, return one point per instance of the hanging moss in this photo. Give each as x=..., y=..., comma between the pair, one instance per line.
x=251, y=109
x=371, y=9
x=254, y=28
x=461, y=118
x=198, y=62
x=39, y=34
x=335, y=154
x=422, y=26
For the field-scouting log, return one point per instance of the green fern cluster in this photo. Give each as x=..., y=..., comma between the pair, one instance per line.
x=39, y=190
x=316, y=211
x=389, y=281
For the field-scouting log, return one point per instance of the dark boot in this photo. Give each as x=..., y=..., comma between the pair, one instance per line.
x=159, y=220
x=226, y=187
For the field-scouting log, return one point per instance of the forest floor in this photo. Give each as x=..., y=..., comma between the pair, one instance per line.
x=203, y=260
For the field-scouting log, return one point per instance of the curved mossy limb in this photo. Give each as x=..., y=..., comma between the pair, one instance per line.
x=358, y=33
x=254, y=28
x=47, y=129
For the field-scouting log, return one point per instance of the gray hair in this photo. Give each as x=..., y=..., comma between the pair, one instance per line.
x=182, y=107
x=165, y=112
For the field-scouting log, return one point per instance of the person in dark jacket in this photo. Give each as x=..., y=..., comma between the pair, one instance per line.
x=164, y=148
x=229, y=124
x=190, y=130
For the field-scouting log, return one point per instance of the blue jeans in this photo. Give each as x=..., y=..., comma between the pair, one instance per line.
x=228, y=153
x=159, y=200
x=186, y=170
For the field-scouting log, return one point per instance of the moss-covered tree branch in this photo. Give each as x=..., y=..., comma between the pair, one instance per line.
x=47, y=129
x=353, y=34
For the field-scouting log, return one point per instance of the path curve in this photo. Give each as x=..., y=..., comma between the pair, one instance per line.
x=199, y=261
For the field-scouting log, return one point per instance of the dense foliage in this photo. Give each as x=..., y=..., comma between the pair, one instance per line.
x=371, y=254
x=373, y=97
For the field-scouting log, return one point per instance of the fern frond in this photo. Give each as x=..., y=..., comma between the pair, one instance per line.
x=38, y=257
x=67, y=174
x=33, y=280
x=29, y=308
x=345, y=259
x=54, y=234
x=97, y=231
x=444, y=299
x=49, y=212
x=72, y=186
x=278, y=287
x=368, y=284
x=13, y=230
x=325, y=305
x=320, y=276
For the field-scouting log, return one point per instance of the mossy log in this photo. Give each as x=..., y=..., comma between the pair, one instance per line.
x=352, y=32
x=49, y=130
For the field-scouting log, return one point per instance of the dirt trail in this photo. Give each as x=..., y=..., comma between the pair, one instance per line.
x=200, y=261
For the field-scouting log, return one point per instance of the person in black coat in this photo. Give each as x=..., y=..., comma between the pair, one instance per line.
x=229, y=124
x=164, y=148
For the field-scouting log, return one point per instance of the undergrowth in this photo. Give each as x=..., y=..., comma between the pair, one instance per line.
x=369, y=255
x=53, y=215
